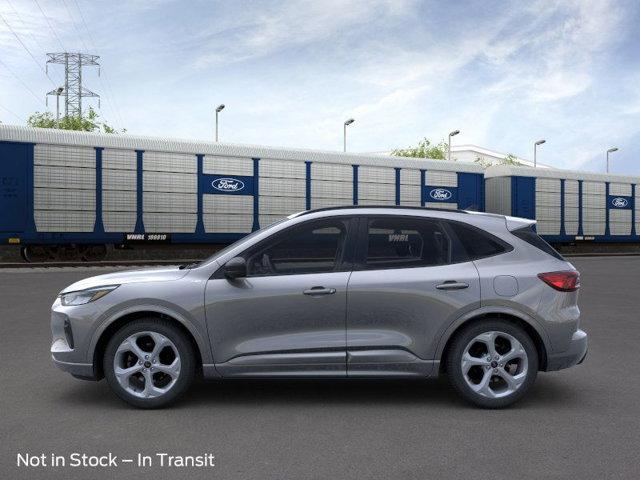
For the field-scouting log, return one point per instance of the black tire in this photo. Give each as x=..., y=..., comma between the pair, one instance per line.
x=457, y=348
x=182, y=344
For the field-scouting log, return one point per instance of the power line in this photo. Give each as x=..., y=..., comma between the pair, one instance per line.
x=12, y=113
x=75, y=27
x=24, y=25
x=111, y=98
x=28, y=51
x=50, y=26
x=21, y=81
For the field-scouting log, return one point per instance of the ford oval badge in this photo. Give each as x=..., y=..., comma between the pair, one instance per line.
x=619, y=202
x=228, y=184
x=440, y=194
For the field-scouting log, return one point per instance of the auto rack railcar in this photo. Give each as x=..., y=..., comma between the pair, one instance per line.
x=569, y=206
x=85, y=190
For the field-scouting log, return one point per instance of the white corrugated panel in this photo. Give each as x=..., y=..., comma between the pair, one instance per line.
x=370, y=201
x=331, y=189
x=547, y=185
x=220, y=223
x=119, y=180
x=593, y=228
x=64, y=220
x=119, y=221
x=228, y=204
x=410, y=194
x=441, y=179
x=620, y=221
x=130, y=142
x=548, y=227
x=548, y=213
x=169, y=182
x=266, y=220
x=170, y=222
x=64, y=199
x=281, y=205
x=217, y=165
x=279, y=187
x=377, y=191
x=169, y=162
x=448, y=206
x=64, y=156
x=548, y=199
x=332, y=171
x=571, y=228
x=623, y=189
x=409, y=177
x=64, y=177
x=119, y=159
x=320, y=202
x=170, y=202
x=282, y=169
x=368, y=174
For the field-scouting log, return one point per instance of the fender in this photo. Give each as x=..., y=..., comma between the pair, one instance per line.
x=155, y=306
x=488, y=310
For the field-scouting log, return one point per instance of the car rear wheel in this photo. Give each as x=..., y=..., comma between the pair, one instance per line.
x=492, y=363
x=149, y=363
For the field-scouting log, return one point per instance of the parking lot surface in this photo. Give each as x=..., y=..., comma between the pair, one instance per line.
x=581, y=423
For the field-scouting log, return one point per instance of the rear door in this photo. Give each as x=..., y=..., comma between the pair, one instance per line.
x=406, y=288
x=13, y=186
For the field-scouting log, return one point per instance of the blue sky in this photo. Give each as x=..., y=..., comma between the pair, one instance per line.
x=290, y=72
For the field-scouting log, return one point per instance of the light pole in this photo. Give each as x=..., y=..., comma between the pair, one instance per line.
x=451, y=134
x=344, y=137
x=59, y=91
x=535, y=151
x=219, y=108
x=611, y=150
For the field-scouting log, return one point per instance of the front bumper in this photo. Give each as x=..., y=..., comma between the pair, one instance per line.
x=574, y=355
x=70, y=331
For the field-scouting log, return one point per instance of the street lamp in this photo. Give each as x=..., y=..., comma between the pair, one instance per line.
x=218, y=110
x=535, y=151
x=611, y=150
x=347, y=122
x=451, y=134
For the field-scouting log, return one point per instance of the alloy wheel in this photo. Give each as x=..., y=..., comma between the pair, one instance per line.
x=147, y=364
x=494, y=364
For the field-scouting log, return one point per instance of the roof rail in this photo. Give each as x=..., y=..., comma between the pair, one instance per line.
x=400, y=207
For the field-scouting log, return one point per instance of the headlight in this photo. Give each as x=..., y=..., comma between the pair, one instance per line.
x=85, y=296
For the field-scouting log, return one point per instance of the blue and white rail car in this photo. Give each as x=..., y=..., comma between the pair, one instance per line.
x=83, y=189
x=568, y=205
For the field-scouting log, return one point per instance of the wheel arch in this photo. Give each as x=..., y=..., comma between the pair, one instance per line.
x=117, y=322
x=535, y=332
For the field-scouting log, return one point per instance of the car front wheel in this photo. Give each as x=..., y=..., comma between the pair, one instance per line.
x=149, y=363
x=492, y=363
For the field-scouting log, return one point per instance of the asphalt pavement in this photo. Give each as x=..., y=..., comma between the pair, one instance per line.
x=581, y=423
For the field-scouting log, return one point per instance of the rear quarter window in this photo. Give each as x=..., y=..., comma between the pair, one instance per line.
x=532, y=238
x=474, y=243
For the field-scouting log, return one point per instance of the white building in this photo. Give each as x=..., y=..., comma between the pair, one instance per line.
x=470, y=153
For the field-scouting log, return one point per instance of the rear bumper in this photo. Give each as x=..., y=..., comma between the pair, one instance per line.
x=574, y=355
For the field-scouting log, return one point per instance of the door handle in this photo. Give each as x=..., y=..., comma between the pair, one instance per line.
x=452, y=285
x=313, y=291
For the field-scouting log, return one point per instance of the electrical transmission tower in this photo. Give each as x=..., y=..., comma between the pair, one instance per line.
x=73, y=91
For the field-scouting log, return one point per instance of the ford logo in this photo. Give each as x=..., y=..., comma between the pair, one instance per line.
x=440, y=194
x=619, y=202
x=228, y=184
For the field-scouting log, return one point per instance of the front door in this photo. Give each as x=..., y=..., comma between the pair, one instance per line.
x=287, y=317
x=406, y=288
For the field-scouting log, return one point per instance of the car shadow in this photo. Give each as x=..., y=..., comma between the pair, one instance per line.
x=547, y=392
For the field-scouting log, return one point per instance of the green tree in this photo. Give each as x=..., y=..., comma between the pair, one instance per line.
x=87, y=123
x=425, y=149
x=510, y=159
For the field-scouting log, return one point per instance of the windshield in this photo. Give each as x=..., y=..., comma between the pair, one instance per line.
x=237, y=243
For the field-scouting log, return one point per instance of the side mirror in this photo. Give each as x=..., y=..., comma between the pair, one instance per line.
x=235, y=268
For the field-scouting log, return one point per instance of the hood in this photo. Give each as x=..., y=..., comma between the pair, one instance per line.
x=129, y=276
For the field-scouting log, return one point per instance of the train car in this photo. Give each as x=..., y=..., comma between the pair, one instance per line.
x=82, y=191
x=569, y=206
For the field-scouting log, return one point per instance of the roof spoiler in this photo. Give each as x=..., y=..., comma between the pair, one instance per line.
x=514, y=223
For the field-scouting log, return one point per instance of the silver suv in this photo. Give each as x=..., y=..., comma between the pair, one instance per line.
x=341, y=292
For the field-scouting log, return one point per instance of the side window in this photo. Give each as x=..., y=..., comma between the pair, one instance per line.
x=314, y=247
x=403, y=242
x=474, y=243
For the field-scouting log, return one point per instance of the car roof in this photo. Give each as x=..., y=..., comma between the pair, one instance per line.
x=384, y=207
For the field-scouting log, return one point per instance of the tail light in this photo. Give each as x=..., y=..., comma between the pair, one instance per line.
x=568, y=281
